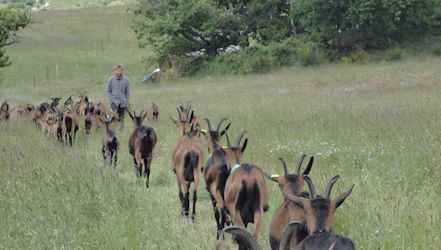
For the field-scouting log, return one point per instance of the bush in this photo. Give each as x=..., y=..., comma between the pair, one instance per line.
x=259, y=63
x=436, y=47
x=170, y=74
x=358, y=56
x=394, y=54
x=308, y=56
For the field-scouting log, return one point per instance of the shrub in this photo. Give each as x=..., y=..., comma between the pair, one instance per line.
x=436, y=47
x=394, y=54
x=170, y=74
x=357, y=56
x=259, y=63
x=308, y=56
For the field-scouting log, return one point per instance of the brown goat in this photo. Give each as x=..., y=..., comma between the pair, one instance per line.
x=246, y=241
x=141, y=145
x=185, y=111
x=70, y=124
x=187, y=162
x=22, y=110
x=292, y=184
x=215, y=134
x=246, y=196
x=93, y=118
x=319, y=211
x=81, y=105
x=154, y=112
x=4, y=111
x=216, y=173
x=110, y=143
x=183, y=122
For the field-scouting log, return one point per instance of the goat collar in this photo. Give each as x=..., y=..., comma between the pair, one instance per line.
x=319, y=231
x=235, y=167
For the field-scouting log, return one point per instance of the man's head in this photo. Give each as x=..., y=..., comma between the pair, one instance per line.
x=118, y=71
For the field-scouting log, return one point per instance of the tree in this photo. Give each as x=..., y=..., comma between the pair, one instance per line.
x=353, y=24
x=11, y=21
x=181, y=28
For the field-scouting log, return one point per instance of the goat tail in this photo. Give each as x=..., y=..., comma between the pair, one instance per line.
x=191, y=162
x=248, y=201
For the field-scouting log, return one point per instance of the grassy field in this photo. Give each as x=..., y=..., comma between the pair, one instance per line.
x=376, y=125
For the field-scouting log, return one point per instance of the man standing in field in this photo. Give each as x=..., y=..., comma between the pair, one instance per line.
x=118, y=91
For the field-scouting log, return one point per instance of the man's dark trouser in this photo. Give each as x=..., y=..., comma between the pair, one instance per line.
x=121, y=111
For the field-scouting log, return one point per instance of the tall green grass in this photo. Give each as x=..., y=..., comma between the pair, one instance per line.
x=377, y=125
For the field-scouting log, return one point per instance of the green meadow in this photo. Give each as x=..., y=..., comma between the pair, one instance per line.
x=377, y=125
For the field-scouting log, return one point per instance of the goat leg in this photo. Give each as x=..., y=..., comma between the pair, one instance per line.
x=216, y=217
x=195, y=198
x=103, y=150
x=186, y=203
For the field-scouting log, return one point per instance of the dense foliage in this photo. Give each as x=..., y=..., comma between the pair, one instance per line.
x=11, y=20
x=197, y=31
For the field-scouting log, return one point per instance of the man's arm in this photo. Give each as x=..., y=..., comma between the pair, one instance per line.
x=109, y=89
x=127, y=92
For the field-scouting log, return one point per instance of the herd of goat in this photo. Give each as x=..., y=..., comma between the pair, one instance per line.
x=238, y=191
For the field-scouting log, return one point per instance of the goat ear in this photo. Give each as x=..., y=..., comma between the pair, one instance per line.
x=268, y=176
x=174, y=120
x=244, y=146
x=299, y=201
x=341, y=198
x=275, y=178
x=144, y=115
x=309, y=166
x=131, y=115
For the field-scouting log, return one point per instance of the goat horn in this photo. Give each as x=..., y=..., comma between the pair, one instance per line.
x=243, y=238
x=330, y=185
x=188, y=109
x=208, y=124
x=228, y=140
x=190, y=118
x=299, y=164
x=179, y=114
x=220, y=123
x=310, y=186
x=341, y=198
x=239, y=138
x=285, y=167
x=289, y=235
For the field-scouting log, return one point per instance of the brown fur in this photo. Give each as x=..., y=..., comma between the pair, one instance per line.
x=319, y=211
x=110, y=144
x=141, y=145
x=153, y=112
x=25, y=110
x=246, y=177
x=292, y=184
x=4, y=111
x=189, y=144
x=80, y=106
x=71, y=124
x=216, y=172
